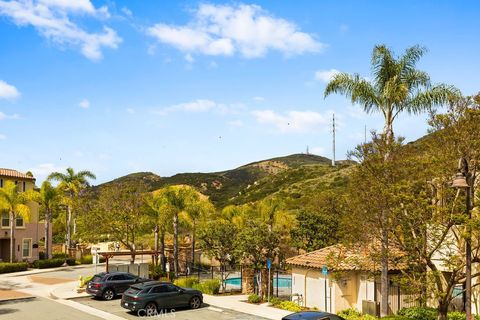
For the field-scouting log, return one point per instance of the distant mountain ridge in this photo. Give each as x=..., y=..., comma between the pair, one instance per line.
x=250, y=182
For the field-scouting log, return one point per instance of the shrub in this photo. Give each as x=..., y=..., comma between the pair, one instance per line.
x=53, y=263
x=88, y=259
x=187, y=282
x=395, y=317
x=85, y=280
x=208, y=287
x=254, y=298
x=354, y=314
x=6, y=267
x=58, y=255
x=290, y=306
x=419, y=313
x=275, y=301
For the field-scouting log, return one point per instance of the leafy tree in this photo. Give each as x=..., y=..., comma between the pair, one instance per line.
x=217, y=240
x=254, y=245
x=318, y=222
x=71, y=184
x=49, y=199
x=118, y=212
x=177, y=199
x=397, y=86
x=15, y=203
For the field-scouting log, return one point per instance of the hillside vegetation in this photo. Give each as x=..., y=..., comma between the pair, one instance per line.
x=292, y=176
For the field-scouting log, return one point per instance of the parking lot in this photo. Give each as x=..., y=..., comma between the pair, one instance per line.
x=204, y=313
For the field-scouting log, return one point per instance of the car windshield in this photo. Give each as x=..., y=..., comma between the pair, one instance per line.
x=133, y=290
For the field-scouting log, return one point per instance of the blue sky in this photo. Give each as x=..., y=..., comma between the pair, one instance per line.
x=185, y=86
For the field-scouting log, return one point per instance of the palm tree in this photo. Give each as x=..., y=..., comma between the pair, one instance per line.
x=396, y=87
x=15, y=203
x=49, y=199
x=162, y=215
x=71, y=184
x=198, y=210
x=176, y=199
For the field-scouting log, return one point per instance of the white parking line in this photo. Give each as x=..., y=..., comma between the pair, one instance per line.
x=215, y=309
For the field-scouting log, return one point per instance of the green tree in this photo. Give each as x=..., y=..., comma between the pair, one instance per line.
x=217, y=240
x=15, y=203
x=49, y=198
x=177, y=199
x=71, y=184
x=397, y=86
x=118, y=212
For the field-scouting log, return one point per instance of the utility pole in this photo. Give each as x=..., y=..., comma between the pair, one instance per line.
x=333, y=135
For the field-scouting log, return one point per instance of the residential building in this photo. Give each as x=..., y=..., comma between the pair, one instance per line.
x=27, y=233
x=336, y=278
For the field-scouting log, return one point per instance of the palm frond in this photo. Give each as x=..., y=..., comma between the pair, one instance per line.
x=438, y=95
x=354, y=87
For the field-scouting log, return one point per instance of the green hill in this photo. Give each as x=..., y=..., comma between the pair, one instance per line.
x=253, y=181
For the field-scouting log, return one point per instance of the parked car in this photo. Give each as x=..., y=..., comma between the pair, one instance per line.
x=107, y=285
x=150, y=297
x=312, y=315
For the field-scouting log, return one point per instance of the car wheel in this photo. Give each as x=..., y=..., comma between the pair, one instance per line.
x=195, y=302
x=108, y=294
x=150, y=309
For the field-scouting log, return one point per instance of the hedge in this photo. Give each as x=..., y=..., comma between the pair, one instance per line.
x=88, y=259
x=6, y=267
x=52, y=263
x=208, y=287
x=187, y=282
x=353, y=314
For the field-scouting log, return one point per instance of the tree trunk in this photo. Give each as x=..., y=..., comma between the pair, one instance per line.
x=193, y=244
x=12, y=237
x=162, y=250
x=175, y=244
x=442, y=310
x=69, y=222
x=156, y=245
x=48, y=248
x=384, y=271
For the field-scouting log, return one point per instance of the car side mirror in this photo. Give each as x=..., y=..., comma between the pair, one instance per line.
x=181, y=290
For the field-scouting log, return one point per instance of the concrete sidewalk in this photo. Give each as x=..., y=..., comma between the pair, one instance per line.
x=237, y=303
x=46, y=270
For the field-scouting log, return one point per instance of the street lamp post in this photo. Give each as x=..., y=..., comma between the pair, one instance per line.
x=462, y=181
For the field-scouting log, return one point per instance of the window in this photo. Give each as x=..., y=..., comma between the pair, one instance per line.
x=24, y=186
x=160, y=289
x=172, y=288
x=1, y=183
x=27, y=248
x=5, y=219
x=19, y=221
x=117, y=277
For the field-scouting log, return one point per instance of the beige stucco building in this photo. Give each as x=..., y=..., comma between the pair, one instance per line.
x=336, y=278
x=27, y=234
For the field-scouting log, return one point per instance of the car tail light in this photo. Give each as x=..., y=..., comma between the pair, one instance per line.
x=96, y=285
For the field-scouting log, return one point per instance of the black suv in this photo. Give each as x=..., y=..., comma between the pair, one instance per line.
x=150, y=298
x=109, y=284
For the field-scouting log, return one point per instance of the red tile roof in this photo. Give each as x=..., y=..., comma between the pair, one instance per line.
x=14, y=174
x=341, y=258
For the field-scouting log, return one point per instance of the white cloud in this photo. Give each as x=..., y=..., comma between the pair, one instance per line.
x=259, y=99
x=127, y=11
x=7, y=91
x=292, y=121
x=189, y=58
x=51, y=19
x=3, y=137
x=201, y=105
x=228, y=29
x=9, y=116
x=325, y=75
x=85, y=104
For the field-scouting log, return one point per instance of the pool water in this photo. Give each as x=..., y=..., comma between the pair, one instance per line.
x=282, y=282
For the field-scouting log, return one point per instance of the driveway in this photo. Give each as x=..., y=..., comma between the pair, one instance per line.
x=204, y=313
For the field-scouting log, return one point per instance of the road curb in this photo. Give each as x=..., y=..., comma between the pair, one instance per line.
x=19, y=299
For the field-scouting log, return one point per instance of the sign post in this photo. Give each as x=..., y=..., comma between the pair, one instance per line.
x=269, y=266
x=325, y=274
x=95, y=257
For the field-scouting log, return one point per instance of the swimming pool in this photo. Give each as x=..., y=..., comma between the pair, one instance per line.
x=283, y=282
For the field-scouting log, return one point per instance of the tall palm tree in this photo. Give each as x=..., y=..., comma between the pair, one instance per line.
x=198, y=210
x=176, y=199
x=397, y=86
x=15, y=203
x=162, y=216
x=71, y=184
x=49, y=199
